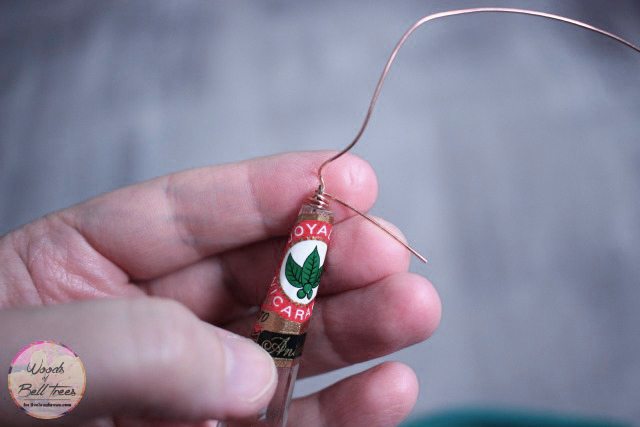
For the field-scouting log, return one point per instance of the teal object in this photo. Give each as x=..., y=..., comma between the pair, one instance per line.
x=469, y=417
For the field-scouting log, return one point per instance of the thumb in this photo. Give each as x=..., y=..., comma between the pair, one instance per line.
x=144, y=357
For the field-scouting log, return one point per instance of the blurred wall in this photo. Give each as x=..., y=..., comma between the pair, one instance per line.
x=508, y=150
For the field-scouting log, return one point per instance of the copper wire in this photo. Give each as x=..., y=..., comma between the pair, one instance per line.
x=392, y=57
x=319, y=199
x=377, y=224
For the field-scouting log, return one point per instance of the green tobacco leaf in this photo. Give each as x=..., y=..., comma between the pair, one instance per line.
x=293, y=272
x=311, y=268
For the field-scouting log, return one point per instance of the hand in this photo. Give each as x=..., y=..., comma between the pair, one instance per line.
x=133, y=281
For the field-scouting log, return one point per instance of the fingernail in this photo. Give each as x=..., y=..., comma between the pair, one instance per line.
x=251, y=373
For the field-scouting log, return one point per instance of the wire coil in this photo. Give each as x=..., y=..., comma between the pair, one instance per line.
x=319, y=199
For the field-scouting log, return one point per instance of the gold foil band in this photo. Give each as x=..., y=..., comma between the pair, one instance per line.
x=318, y=216
x=270, y=321
x=285, y=363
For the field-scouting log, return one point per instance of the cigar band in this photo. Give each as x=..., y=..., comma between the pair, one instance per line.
x=282, y=323
x=285, y=349
x=294, y=288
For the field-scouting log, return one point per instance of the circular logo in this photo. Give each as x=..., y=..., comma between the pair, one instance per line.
x=46, y=379
x=301, y=270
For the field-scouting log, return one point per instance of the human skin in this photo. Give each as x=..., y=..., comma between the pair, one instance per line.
x=154, y=285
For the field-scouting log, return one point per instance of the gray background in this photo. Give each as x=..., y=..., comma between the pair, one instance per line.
x=507, y=149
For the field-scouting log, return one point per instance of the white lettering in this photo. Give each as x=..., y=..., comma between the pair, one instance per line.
x=286, y=310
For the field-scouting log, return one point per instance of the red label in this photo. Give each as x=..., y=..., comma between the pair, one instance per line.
x=295, y=285
x=310, y=228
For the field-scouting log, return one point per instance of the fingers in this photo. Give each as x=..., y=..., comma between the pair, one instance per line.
x=219, y=289
x=381, y=396
x=146, y=357
x=359, y=254
x=164, y=224
x=362, y=324
x=48, y=262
